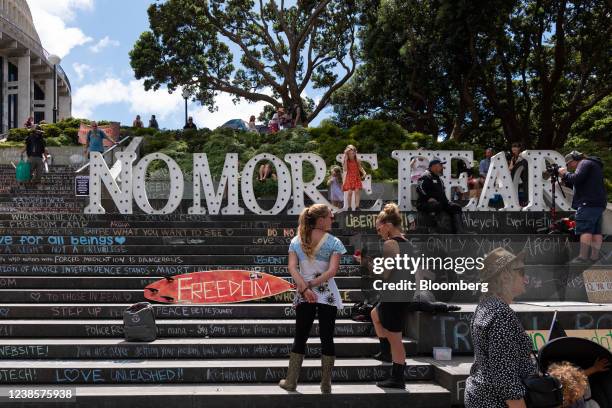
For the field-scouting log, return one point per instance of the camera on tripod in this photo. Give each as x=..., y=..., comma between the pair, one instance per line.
x=552, y=170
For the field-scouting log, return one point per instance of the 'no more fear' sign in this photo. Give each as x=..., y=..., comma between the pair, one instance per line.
x=125, y=182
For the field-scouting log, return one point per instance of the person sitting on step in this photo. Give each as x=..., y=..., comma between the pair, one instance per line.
x=314, y=258
x=432, y=198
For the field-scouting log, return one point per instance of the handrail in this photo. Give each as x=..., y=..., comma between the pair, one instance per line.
x=104, y=154
x=36, y=44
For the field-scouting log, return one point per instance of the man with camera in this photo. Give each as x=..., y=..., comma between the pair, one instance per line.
x=432, y=195
x=589, y=201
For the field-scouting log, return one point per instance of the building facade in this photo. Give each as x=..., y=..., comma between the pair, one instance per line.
x=26, y=74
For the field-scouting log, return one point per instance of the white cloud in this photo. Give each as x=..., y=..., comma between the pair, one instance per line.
x=81, y=70
x=168, y=107
x=227, y=110
x=88, y=97
x=64, y=8
x=51, y=18
x=103, y=43
x=113, y=91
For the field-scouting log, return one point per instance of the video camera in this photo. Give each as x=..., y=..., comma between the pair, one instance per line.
x=552, y=170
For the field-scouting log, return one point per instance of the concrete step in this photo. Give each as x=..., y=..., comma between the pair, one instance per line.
x=452, y=376
x=173, y=328
x=590, y=320
x=126, y=296
x=75, y=228
x=182, y=217
x=235, y=348
x=117, y=247
x=115, y=311
x=422, y=394
x=83, y=240
x=34, y=282
x=119, y=270
x=64, y=372
x=37, y=259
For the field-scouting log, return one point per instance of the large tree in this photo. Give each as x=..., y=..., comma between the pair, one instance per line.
x=473, y=69
x=255, y=50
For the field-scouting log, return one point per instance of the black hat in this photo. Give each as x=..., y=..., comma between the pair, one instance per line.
x=435, y=160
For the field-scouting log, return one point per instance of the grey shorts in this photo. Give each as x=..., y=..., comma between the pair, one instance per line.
x=36, y=167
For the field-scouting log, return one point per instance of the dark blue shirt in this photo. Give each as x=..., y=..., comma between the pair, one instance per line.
x=588, y=184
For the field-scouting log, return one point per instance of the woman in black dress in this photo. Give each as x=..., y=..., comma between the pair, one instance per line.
x=501, y=347
x=389, y=318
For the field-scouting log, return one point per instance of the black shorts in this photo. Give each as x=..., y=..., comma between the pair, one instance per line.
x=393, y=315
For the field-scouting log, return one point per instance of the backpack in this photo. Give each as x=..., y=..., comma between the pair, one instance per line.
x=36, y=146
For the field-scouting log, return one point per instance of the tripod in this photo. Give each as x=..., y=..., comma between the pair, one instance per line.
x=554, y=180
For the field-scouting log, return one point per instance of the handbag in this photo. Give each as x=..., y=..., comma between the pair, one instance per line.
x=23, y=171
x=543, y=391
x=139, y=322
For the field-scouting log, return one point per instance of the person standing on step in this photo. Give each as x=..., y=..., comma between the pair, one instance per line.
x=389, y=318
x=36, y=150
x=353, y=173
x=95, y=140
x=314, y=257
x=589, y=200
x=502, y=348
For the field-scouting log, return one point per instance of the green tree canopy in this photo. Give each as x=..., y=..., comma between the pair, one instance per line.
x=255, y=50
x=474, y=69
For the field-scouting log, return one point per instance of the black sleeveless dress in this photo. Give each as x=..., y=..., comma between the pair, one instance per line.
x=392, y=315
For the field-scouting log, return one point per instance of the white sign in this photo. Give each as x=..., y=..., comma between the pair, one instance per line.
x=129, y=185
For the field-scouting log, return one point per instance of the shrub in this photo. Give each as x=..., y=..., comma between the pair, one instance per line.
x=17, y=135
x=51, y=130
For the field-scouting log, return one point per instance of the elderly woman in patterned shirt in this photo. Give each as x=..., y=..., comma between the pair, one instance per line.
x=501, y=347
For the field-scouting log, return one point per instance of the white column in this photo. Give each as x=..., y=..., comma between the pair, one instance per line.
x=48, y=100
x=4, y=85
x=65, y=107
x=24, y=102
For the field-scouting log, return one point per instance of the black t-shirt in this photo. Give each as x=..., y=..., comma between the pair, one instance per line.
x=35, y=145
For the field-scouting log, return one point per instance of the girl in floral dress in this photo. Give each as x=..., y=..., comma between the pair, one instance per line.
x=353, y=172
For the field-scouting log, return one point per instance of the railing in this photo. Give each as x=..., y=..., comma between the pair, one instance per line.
x=86, y=165
x=34, y=44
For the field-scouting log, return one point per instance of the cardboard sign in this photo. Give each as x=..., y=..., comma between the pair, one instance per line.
x=220, y=286
x=598, y=285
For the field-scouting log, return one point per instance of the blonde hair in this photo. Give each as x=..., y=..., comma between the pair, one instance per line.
x=345, y=159
x=390, y=214
x=308, y=219
x=572, y=378
x=334, y=172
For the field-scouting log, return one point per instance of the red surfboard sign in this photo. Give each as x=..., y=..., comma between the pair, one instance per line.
x=220, y=286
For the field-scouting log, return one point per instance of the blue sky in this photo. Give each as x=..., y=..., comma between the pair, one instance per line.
x=93, y=38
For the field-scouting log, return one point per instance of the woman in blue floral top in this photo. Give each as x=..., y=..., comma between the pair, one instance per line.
x=314, y=257
x=501, y=347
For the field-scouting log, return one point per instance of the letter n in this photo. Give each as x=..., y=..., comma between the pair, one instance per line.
x=99, y=174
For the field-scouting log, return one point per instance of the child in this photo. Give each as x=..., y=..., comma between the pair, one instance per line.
x=334, y=182
x=576, y=390
x=353, y=172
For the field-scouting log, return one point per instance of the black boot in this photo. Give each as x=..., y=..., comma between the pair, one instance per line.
x=385, y=351
x=397, y=378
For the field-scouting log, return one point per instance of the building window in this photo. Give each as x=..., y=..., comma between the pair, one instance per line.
x=12, y=72
x=39, y=94
x=12, y=111
x=39, y=117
